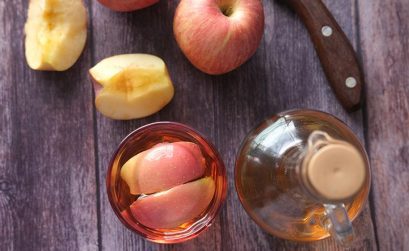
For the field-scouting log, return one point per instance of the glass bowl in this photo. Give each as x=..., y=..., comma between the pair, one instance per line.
x=144, y=138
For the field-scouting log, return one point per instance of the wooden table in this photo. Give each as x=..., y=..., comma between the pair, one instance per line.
x=55, y=147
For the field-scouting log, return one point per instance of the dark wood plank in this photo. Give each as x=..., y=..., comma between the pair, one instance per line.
x=285, y=73
x=384, y=28
x=47, y=173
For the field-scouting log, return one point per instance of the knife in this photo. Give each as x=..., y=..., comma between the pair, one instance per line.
x=334, y=50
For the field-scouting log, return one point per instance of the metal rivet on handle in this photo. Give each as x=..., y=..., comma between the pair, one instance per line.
x=351, y=82
x=326, y=31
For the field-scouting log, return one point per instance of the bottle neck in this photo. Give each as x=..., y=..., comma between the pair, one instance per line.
x=327, y=170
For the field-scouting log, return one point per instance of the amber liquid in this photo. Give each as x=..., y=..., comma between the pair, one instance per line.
x=267, y=183
x=122, y=198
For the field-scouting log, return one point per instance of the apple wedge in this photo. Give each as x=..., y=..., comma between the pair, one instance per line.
x=162, y=167
x=56, y=32
x=131, y=86
x=176, y=206
x=127, y=5
x=217, y=36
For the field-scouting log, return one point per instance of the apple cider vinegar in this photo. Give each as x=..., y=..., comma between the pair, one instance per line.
x=128, y=205
x=288, y=183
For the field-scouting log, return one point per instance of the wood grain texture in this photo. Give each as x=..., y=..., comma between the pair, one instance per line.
x=384, y=27
x=285, y=73
x=47, y=165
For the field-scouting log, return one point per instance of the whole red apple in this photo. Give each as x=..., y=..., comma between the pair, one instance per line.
x=217, y=36
x=127, y=5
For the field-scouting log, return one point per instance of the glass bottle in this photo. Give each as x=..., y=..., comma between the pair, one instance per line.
x=303, y=175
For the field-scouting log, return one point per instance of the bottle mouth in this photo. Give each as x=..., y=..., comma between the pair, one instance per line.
x=333, y=171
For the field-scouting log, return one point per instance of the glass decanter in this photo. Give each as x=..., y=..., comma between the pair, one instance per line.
x=303, y=175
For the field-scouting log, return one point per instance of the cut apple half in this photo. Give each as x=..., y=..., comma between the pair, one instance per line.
x=56, y=32
x=162, y=167
x=131, y=86
x=176, y=206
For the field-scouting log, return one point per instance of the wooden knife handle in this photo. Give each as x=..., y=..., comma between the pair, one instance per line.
x=336, y=53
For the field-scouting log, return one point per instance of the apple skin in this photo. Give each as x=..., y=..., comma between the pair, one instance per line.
x=163, y=166
x=127, y=5
x=216, y=43
x=176, y=206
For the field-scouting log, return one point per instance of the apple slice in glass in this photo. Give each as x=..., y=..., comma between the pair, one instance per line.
x=176, y=206
x=162, y=167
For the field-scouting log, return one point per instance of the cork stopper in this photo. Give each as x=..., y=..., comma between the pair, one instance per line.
x=336, y=171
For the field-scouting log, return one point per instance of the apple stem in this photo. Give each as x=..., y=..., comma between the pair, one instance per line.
x=227, y=10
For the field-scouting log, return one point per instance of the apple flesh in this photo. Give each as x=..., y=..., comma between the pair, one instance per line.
x=131, y=86
x=162, y=167
x=127, y=5
x=56, y=32
x=217, y=36
x=176, y=206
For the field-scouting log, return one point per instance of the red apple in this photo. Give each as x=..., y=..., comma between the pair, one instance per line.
x=217, y=36
x=162, y=167
x=127, y=5
x=175, y=206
